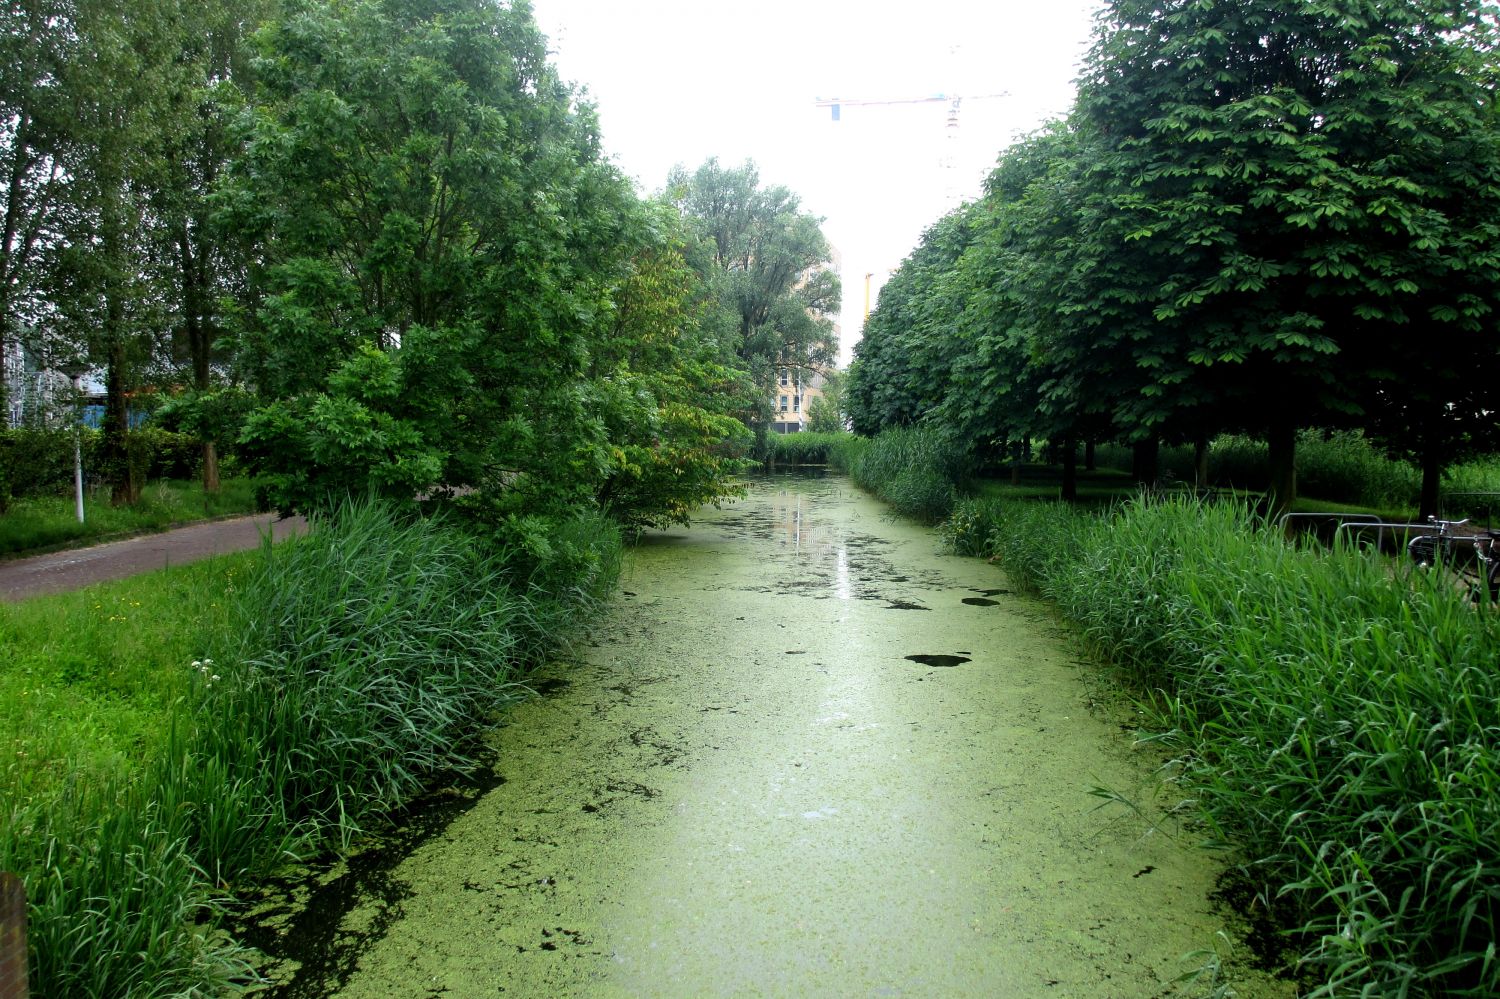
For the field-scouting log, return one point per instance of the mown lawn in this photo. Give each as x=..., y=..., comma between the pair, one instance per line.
x=41, y=523
x=89, y=680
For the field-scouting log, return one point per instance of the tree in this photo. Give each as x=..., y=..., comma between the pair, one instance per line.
x=670, y=395
x=453, y=293
x=904, y=360
x=120, y=79
x=1280, y=181
x=203, y=268
x=767, y=266
x=31, y=117
x=825, y=414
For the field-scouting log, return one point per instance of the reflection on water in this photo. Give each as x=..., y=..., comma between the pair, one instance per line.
x=818, y=545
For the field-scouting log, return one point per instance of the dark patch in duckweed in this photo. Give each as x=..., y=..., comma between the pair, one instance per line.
x=548, y=686
x=904, y=605
x=991, y=593
x=981, y=602
x=619, y=790
x=307, y=933
x=939, y=660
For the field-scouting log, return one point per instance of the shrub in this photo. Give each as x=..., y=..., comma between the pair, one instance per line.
x=39, y=462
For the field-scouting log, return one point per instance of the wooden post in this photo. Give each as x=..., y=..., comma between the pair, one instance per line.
x=13, y=957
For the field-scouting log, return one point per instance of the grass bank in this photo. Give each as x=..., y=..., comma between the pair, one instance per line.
x=45, y=522
x=302, y=693
x=1337, y=724
x=1336, y=467
x=802, y=448
x=918, y=471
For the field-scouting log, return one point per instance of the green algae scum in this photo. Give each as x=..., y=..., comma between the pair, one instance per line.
x=805, y=755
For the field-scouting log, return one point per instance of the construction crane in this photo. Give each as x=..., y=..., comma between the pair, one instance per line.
x=952, y=100
x=948, y=160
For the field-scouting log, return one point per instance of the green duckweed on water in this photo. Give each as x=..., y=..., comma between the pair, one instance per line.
x=805, y=754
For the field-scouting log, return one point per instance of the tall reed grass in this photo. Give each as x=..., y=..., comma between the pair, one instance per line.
x=802, y=448
x=1338, y=724
x=918, y=471
x=355, y=663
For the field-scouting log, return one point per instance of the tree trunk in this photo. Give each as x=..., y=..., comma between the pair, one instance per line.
x=1200, y=462
x=193, y=266
x=120, y=471
x=1088, y=456
x=210, y=467
x=1432, y=473
x=1145, y=460
x=1070, y=470
x=1281, y=452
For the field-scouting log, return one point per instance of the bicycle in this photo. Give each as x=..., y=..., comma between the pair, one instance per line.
x=1472, y=556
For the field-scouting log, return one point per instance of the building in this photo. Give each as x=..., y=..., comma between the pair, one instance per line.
x=796, y=388
x=36, y=395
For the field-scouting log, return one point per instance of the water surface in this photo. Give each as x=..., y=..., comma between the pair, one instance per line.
x=804, y=755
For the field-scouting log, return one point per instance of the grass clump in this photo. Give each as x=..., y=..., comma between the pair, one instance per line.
x=916, y=470
x=1337, y=724
x=347, y=668
x=802, y=448
x=43, y=522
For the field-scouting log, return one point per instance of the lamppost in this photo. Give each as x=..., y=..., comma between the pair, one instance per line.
x=75, y=370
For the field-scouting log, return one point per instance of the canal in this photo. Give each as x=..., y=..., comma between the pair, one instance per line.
x=805, y=754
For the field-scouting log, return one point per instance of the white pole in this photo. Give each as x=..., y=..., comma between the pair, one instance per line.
x=77, y=451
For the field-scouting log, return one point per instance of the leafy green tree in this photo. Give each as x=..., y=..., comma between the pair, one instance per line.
x=202, y=269
x=767, y=266
x=903, y=361
x=453, y=292
x=825, y=414
x=1276, y=194
x=423, y=190
x=121, y=75
x=32, y=115
x=670, y=396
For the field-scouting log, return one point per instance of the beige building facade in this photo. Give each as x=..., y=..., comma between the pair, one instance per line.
x=796, y=388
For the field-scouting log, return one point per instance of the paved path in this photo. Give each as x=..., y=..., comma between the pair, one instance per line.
x=78, y=567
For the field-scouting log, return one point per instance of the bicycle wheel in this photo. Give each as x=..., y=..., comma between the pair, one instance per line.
x=1424, y=549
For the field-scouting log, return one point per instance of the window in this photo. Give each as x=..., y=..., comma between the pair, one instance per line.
x=783, y=404
x=784, y=378
x=796, y=404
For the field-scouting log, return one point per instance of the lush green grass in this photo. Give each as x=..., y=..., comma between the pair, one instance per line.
x=1038, y=481
x=89, y=680
x=915, y=470
x=338, y=672
x=804, y=448
x=1333, y=469
x=1337, y=723
x=44, y=522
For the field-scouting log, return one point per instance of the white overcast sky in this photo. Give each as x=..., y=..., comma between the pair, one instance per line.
x=678, y=81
